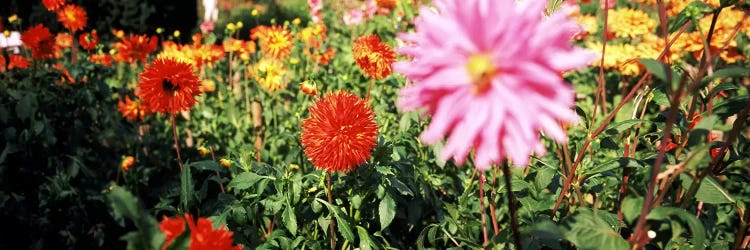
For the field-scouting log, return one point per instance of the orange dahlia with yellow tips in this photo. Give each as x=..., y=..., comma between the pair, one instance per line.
x=340, y=133
x=72, y=17
x=373, y=56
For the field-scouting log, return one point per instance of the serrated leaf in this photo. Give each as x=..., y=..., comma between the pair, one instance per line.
x=244, y=180
x=400, y=186
x=631, y=208
x=364, y=239
x=587, y=231
x=387, y=211
x=290, y=220
x=657, y=68
x=613, y=164
x=711, y=192
x=341, y=224
x=719, y=88
x=697, y=231
x=619, y=127
x=186, y=188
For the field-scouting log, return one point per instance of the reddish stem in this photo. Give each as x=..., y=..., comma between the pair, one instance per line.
x=481, y=207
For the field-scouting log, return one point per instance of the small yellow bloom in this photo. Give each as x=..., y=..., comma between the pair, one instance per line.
x=254, y=12
x=208, y=86
x=293, y=167
x=296, y=21
x=176, y=33
x=13, y=18
x=293, y=60
x=6, y=33
x=309, y=88
x=226, y=163
x=239, y=25
x=203, y=151
x=231, y=27
x=112, y=51
x=273, y=20
x=312, y=190
x=159, y=30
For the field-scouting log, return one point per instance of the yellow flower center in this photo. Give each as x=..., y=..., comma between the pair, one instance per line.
x=481, y=71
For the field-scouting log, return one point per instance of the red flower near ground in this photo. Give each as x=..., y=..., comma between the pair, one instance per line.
x=132, y=110
x=53, y=5
x=168, y=86
x=40, y=41
x=66, y=77
x=340, y=133
x=88, y=40
x=17, y=61
x=202, y=234
x=135, y=47
x=72, y=17
x=373, y=57
x=172, y=227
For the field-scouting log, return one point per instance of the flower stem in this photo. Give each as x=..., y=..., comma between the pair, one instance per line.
x=512, y=207
x=481, y=207
x=213, y=157
x=331, y=225
x=176, y=145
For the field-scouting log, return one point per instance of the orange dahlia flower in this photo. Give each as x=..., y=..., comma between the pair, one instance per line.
x=132, y=110
x=275, y=40
x=64, y=40
x=53, y=5
x=72, y=17
x=340, y=133
x=40, y=41
x=88, y=40
x=203, y=236
x=387, y=4
x=373, y=57
x=168, y=86
x=135, y=47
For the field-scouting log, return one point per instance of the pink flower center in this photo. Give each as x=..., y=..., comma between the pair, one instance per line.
x=481, y=70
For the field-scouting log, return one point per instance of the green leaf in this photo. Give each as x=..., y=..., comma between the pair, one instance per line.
x=290, y=219
x=341, y=224
x=244, y=180
x=657, y=68
x=387, y=211
x=614, y=164
x=587, y=231
x=631, y=208
x=619, y=127
x=207, y=165
x=124, y=204
x=732, y=71
x=719, y=88
x=364, y=238
x=186, y=188
x=26, y=107
x=695, y=9
x=697, y=230
x=709, y=191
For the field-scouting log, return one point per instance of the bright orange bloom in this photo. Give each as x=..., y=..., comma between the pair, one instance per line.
x=373, y=57
x=132, y=110
x=325, y=57
x=88, y=40
x=53, y=5
x=64, y=40
x=387, y=4
x=172, y=228
x=308, y=88
x=275, y=40
x=208, y=86
x=40, y=41
x=270, y=73
x=203, y=236
x=340, y=133
x=127, y=162
x=103, y=59
x=65, y=78
x=168, y=86
x=314, y=35
x=17, y=61
x=135, y=47
x=72, y=17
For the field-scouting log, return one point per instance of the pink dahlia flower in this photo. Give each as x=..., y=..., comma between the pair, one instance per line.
x=353, y=17
x=489, y=73
x=316, y=6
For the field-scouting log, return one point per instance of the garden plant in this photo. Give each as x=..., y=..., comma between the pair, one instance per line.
x=378, y=124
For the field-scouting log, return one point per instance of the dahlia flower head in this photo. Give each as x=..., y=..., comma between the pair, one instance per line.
x=489, y=73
